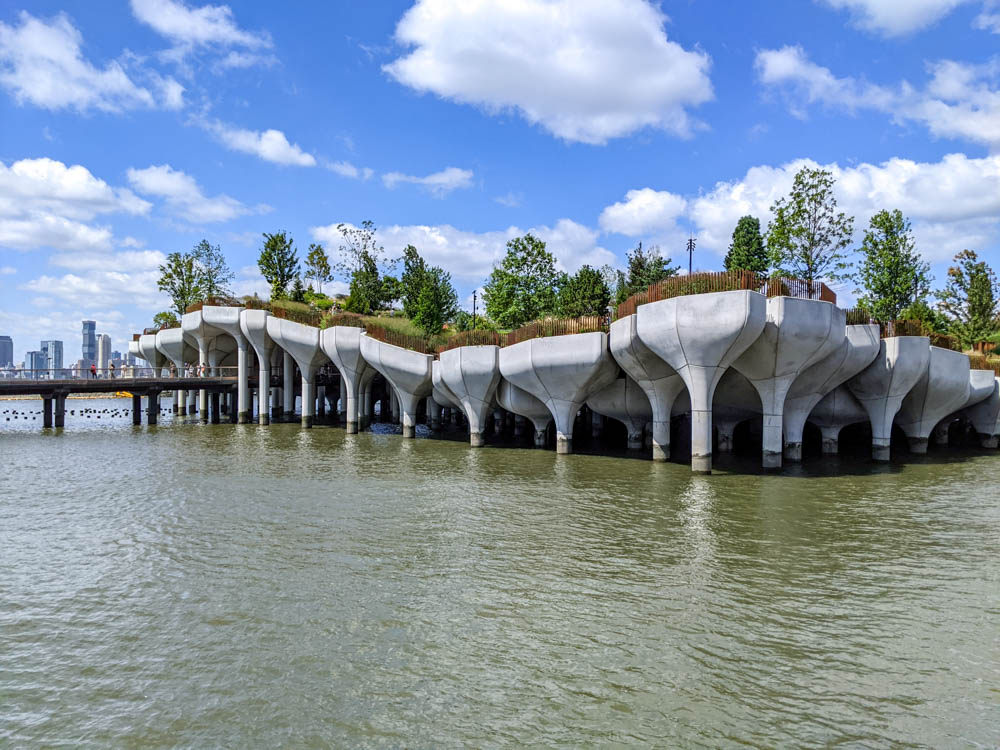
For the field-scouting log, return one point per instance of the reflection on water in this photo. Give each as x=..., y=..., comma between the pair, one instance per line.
x=190, y=585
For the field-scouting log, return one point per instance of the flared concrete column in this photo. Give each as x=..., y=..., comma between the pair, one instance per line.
x=321, y=401
x=985, y=416
x=152, y=407
x=215, y=418
x=540, y=438
x=470, y=375
x=700, y=336
x=202, y=394
x=287, y=379
x=519, y=401
x=941, y=390
x=881, y=387
x=263, y=391
x=725, y=430
x=831, y=440
x=46, y=412
x=136, y=409
x=242, y=383
x=434, y=414
x=624, y=401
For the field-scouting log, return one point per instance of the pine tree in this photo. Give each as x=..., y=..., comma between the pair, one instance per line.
x=584, y=293
x=747, y=251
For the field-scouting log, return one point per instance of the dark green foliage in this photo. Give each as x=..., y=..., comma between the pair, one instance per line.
x=464, y=322
x=392, y=291
x=931, y=318
x=970, y=299
x=523, y=287
x=807, y=238
x=298, y=291
x=215, y=272
x=437, y=302
x=892, y=274
x=412, y=280
x=584, y=293
x=644, y=268
x=165, y=319
x=747, y=251
x=181, y=279
x=278, y=263
x=365, y=295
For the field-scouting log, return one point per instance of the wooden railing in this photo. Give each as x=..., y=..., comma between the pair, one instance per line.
x=472, y=338
x=219, y=301
x=306, y=317
x=403, y=340
x=556, y=327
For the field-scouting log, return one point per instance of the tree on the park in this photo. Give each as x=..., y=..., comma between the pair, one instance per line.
x=359, y=246
x=747, y=251
x=584, y=293
x=523, y=287
x=165, y=319
x=392, y=291
x=214, y=270
x=437, y=302
x=808, y=236
x=318, y=266
x=970, y=298
x=414, y=271
x=181, y=279
x=365, y=294
x=298, y=293
x=892, y=275
x=278, y=263
x=643, y=268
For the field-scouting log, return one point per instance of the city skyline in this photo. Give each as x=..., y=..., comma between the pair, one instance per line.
x=594, y=125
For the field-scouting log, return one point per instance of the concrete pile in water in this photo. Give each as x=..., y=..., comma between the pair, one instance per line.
x=711, y=360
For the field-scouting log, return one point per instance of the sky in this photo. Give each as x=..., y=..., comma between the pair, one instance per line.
x=130, y=129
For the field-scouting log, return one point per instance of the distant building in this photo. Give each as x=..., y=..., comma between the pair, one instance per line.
x=36, y=361
x=89, y=343
x=54, y=352
x=103, y=350
x=6, y=351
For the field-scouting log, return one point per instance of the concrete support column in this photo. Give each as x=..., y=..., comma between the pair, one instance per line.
x=918, y=445
x=519, y=425
x=60, y=407
x=498, y=422
x=46, y=412
x=321, y=401
x=880, y=449
x=177, y=401
x=202, y=371
x=136, y=409
x=242, y=382
x=831, y=440
x=434, y=413
x=215, y=408
x=394, y=406
x=725, y=432
x=276, y=403
x=263, y=391
x=288, y=384
x=597, y=425
x=701, y=440
x=347, y=393
x=940, y=433
x=308, y=400
x=152, y=407
x=635, y=441
x=539, y=438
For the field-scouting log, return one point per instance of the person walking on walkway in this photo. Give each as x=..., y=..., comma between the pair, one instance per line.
x=111, y=370
x=93, y=371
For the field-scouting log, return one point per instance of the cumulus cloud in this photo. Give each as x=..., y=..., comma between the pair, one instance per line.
x=270, y=145
x=346, y=169
x=643, y=212
x=470, y=256
x=960, y=100
x=896, y=17
x=438, y=184
x=44, y=203
x=953, y=203
x=585, y=70
x=100, y=288
x=183, y=195
x=206, y=25
x=41, y=63
x=7, y=270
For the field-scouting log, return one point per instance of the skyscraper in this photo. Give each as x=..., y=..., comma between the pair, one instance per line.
x=103, y=350
x=37, y=361
x=6, y=351
x=54, y=351
x=89, y=342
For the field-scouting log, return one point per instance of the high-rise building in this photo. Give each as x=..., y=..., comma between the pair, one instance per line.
x=103, y=350
x=89, y=342
x=54, y=351
x=6, y=351
x=36, y=361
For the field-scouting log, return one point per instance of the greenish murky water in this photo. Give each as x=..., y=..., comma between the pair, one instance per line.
x=237, y=586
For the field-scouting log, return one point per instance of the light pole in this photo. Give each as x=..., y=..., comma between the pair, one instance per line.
x=690, y=249
x=474, y=291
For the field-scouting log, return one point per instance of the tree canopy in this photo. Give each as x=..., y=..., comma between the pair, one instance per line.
x=278, y=263
x=181, y=279
x=523, y=286
x=747, y=251
x=892, y=275
x=643, y=268
x=214, y=270
x=584, y=293
x=808, y=236
x=318, y=266
x=437, y=302
x=970, y=298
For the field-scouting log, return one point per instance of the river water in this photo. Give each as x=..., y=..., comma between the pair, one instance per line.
x=238, y=586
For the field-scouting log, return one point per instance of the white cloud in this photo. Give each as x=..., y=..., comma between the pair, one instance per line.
x=100, y=288
x=469, y=256
x=236, y=60
x=439, y=184
x=128, y=261
x=989, y=19
x=183, y=195
x=207, y=25
x=41, y=63
x=7, y=270
x=346, y=169
x=270, y=145
x=896, y=17
x=960, y=100
x=510, y=199
x=643, y=212
x=585, y=70
x=44, y=203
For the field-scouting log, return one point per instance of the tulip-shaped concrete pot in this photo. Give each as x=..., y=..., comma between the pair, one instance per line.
x=472, y=374
x=179, y=349
x=148, y=351
x=561, y=372
x=857, y=350
x=881, y=387
x=342, y=345
x=942, y=389
x=440, y=392
x=213, y=346
x=835, y=411
x=253, y=323
x=625, y=401
x=658, y=380
x=302, y=342
x=985, y=414
x=408, y=372
x=700, y=336
x=227, y=319
x=798, y=334
x=519, y=401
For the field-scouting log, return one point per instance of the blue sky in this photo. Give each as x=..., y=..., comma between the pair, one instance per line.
x=133, y=128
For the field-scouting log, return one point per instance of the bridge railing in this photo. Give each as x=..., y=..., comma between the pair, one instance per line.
x=126, y=372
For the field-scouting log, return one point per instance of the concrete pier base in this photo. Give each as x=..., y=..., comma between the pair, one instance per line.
x=243, y=417
x=136, y=409
x=152, y=407
x=987, y=441
x=307, y=420
x=701, y=464
x=409, y=431
x=476, y=440
x=880, y=451
x=635, y=441
x=214, y=407
x=793, y=452
x=564, y=445
x=352, y=428
x=918, y=445
x=539, y=438
x=60, y=411
x=940, y=434
x=771, y=459
x=46, y=412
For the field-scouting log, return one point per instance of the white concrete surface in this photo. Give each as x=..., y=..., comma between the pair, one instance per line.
x=626, y=401
x=253, y=324
x=407, y=371
x=342, y=344
x=984, y=416
x=302, y=342
x=519, y=401
x=472, y=374
x=942, y=389
x=835, y=411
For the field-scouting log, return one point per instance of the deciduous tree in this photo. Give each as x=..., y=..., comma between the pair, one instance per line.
x=584, y=293
x=970, y=298
x=318, y=265
x=214, y=270
x=180, y=278
x=892, y=274
x=644, y=268
x=278, y=263
x=437, y=302
x=523, y=287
